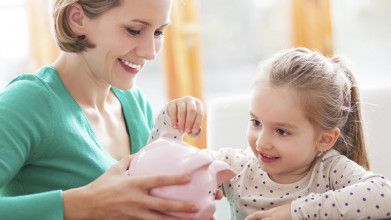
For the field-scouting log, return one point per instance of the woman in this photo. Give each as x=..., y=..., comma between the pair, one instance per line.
x=71, y=122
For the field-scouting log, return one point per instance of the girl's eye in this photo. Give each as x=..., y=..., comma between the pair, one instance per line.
x=158, y=33
x=255, y=122
x=282, y=132
x=132, y=31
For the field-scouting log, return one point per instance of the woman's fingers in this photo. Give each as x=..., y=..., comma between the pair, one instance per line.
x=169, y=205
x=153, y=181
x=149, y=214
x=125, y=162
x=160, y=204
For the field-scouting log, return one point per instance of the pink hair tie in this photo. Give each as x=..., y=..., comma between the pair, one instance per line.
x=345, y=102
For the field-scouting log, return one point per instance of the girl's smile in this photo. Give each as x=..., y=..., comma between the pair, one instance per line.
x=267, y=158
x=280, y=135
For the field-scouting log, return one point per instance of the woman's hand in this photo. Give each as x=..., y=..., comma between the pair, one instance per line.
x=186, y=114
x=278, y=213
x=116, y=195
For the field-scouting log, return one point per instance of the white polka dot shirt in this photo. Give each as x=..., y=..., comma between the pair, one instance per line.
x=335, y=187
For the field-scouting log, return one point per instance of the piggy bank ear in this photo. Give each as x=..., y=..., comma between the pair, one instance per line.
x=222, y=170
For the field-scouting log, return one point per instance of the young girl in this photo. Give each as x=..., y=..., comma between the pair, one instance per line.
x=307, y=157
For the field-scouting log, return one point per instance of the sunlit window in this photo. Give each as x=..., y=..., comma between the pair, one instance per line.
x=14, y=37
x=235, y=36
x=362, y=32
x=239, y=34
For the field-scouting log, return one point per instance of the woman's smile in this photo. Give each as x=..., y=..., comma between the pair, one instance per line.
x=130, y=67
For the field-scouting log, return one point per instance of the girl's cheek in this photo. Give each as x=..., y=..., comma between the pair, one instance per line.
x=251, y=138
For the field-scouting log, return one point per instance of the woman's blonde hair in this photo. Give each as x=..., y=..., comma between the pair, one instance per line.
x=326, y=90
x=65, y=38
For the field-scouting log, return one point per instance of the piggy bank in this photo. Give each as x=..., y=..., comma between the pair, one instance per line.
x=167, y=155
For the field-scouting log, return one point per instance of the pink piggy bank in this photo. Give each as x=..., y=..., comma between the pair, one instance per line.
x=167, y=155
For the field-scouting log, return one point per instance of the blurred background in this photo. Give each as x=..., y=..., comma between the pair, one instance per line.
x=214, y=47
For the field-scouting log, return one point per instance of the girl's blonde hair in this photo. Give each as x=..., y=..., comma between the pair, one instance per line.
x=65, y=38
x=326, y=90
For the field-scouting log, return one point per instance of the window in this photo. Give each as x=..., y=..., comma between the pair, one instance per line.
x=14, y=45
x=235, y=37
x=238, y=35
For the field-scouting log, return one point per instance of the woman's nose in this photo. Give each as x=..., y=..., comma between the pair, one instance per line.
x=146, y=48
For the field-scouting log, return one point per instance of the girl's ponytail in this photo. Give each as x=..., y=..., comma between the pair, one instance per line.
x=352, y=142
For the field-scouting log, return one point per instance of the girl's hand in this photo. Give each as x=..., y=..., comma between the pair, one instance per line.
x=219, y=195
x=186, y=114
x=116, y=195
x=278, y=213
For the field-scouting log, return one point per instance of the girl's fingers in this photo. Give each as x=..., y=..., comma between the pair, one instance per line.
x=198, y=118
x=191, y=113
x=186, y=114
x=181, y=116
x=172, y=111
x=255, y=216
x=219, y=194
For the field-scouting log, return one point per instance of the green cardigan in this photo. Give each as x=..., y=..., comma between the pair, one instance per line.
x=47, y=144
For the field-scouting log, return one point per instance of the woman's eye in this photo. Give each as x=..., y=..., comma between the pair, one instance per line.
x=255, y=122
x=282, y=132
x=132, y=31
x=158, y=33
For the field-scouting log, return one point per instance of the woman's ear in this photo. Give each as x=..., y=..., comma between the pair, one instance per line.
x=328, y=139
x=76, y=19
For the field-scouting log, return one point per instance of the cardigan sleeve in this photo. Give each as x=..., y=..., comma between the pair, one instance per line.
x=41, y=206
x=25, y=132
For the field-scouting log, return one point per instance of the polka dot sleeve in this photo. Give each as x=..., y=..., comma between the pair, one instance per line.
x=352, y=193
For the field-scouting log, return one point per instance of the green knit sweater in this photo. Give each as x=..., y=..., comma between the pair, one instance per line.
x=47, y=144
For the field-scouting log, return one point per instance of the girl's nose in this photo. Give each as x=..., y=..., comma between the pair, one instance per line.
x=263, y=141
